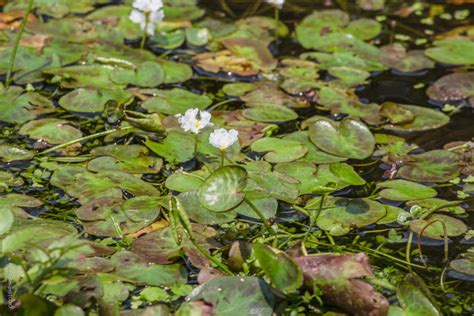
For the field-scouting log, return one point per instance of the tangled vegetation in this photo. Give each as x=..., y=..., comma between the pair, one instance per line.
x=236, y=157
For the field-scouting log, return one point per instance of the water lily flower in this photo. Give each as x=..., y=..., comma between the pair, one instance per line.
x=148, y=5
x=147, y=13
x=223, y=139
x=147, y=20
x=194, y=120
x=277, y=3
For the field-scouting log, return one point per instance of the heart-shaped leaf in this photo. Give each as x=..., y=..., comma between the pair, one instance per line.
x=349, y=138
x=222, y=191
x=402, y=190
x=431, y=166
x=279, y=150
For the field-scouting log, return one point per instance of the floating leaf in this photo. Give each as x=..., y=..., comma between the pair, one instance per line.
x=340, y=215
x=177, y=147
x=465, y=266
x=279, y=150
x=395, y=56
x=223, y=189
x=189, y=202
x=431, y=166
x=402, y=190
x=175, y=101
x=282, y=271
x=19, y=107
x=233, y=295
x=54, y=131
x=91, y=100
x=148, y=74
x=452, y=87
x=349, y=138
x=415, y=297
x=253, y=50
x=270, y=114
x=133, y=267
x=10, y=153
x=452, y=51
x=266, y=205
x=425, y=119
x=433, y=227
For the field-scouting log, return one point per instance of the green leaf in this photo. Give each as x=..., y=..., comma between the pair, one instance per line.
x=452, y=51
x=279, y=150
x=402, y=190
x=236, y=295
x=270, y=113
x=175, y=101
x=415, y=298
x=177, y=147
x=148, y=74
x=434, y=227
x=189, y=202
x=432, y=166
x=348, y=138
x=282, y=271
x=222, y=191
x=51, y=130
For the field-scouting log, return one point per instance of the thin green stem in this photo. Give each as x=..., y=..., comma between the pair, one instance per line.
x=17, y=43
x=262, y=218
x=83, y=139
x=222, y=157
x=408, y=250
x=144, y=36
x=381, y=283
x=196, y=141
x=209, y=257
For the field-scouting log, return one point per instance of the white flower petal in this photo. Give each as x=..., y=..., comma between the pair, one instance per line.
x=194, y=120
x=223, y=139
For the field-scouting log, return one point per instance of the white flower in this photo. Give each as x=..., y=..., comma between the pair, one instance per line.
x=222, y=138
x=277, y=3
x=148, y=5
x=147, y=13
x=194, y=120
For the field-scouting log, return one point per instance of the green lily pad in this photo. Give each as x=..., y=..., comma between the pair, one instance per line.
x=238, y=89
x=349, y=77
x=235, y=295
x=415, y=298
x=279, y=150
x=454, y=227
x=364, y=29
x=197, y=36
x=189, y=202
x=19, y=107
x=175, y=101
x=276, y=184
x=282, y=271
x=124, y=158
x=396, y=114
x=452, y=87
x=148, y=74
x=339, y=216
x=175, y=72
x=169, y=40
x=56, y=8
x=10, y=153
x=452, y=51
x=92, y=100
x=348, y=138
x=270, y=114
x=9, y=180
x=185, y=182
x=84, y=76
x=402, y=190
x=266, y=205
x=431, y=166
x=392, y=215
x=309, y=31
x=465, y=266
x=133, y=267
x=440, y=204
x=425, y=119
x=395, y=56
x=222, y=191
x=177, y=147
x=51, y=130
x=253, y=50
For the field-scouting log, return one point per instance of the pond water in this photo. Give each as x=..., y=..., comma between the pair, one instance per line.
x=348, y=190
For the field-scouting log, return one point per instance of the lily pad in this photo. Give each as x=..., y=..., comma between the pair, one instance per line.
x=425, y=119
x=177, y=147
x=339, y=216
x=452, y=51
x=92, y=100
x=175, y=101
x=222, y=191
x=270, y=114
x=54, y=131
x=348, y=138
x=434, y=227
x=189, y=202
x=395, y=56
x=233, y=295
x=10, y=153
x=452, y=87
x=283, y=272
x=19, y=107
x=253, y=50
x=265, y=204
x=431, y=166
x=279, y=150
x=402, y=190
x=133, y=267
x=148, y=74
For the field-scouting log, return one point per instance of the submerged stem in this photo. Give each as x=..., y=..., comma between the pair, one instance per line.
x=262, y=218
x=19, y=35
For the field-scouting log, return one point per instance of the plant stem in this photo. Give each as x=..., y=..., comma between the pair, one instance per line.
x=222, y=157
x=408, y=251
x=381, y=283
x=196, y=140
x=262, y=218
x=17, y=43
x=144, y=36
x=209, y=257
x=82, y=139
